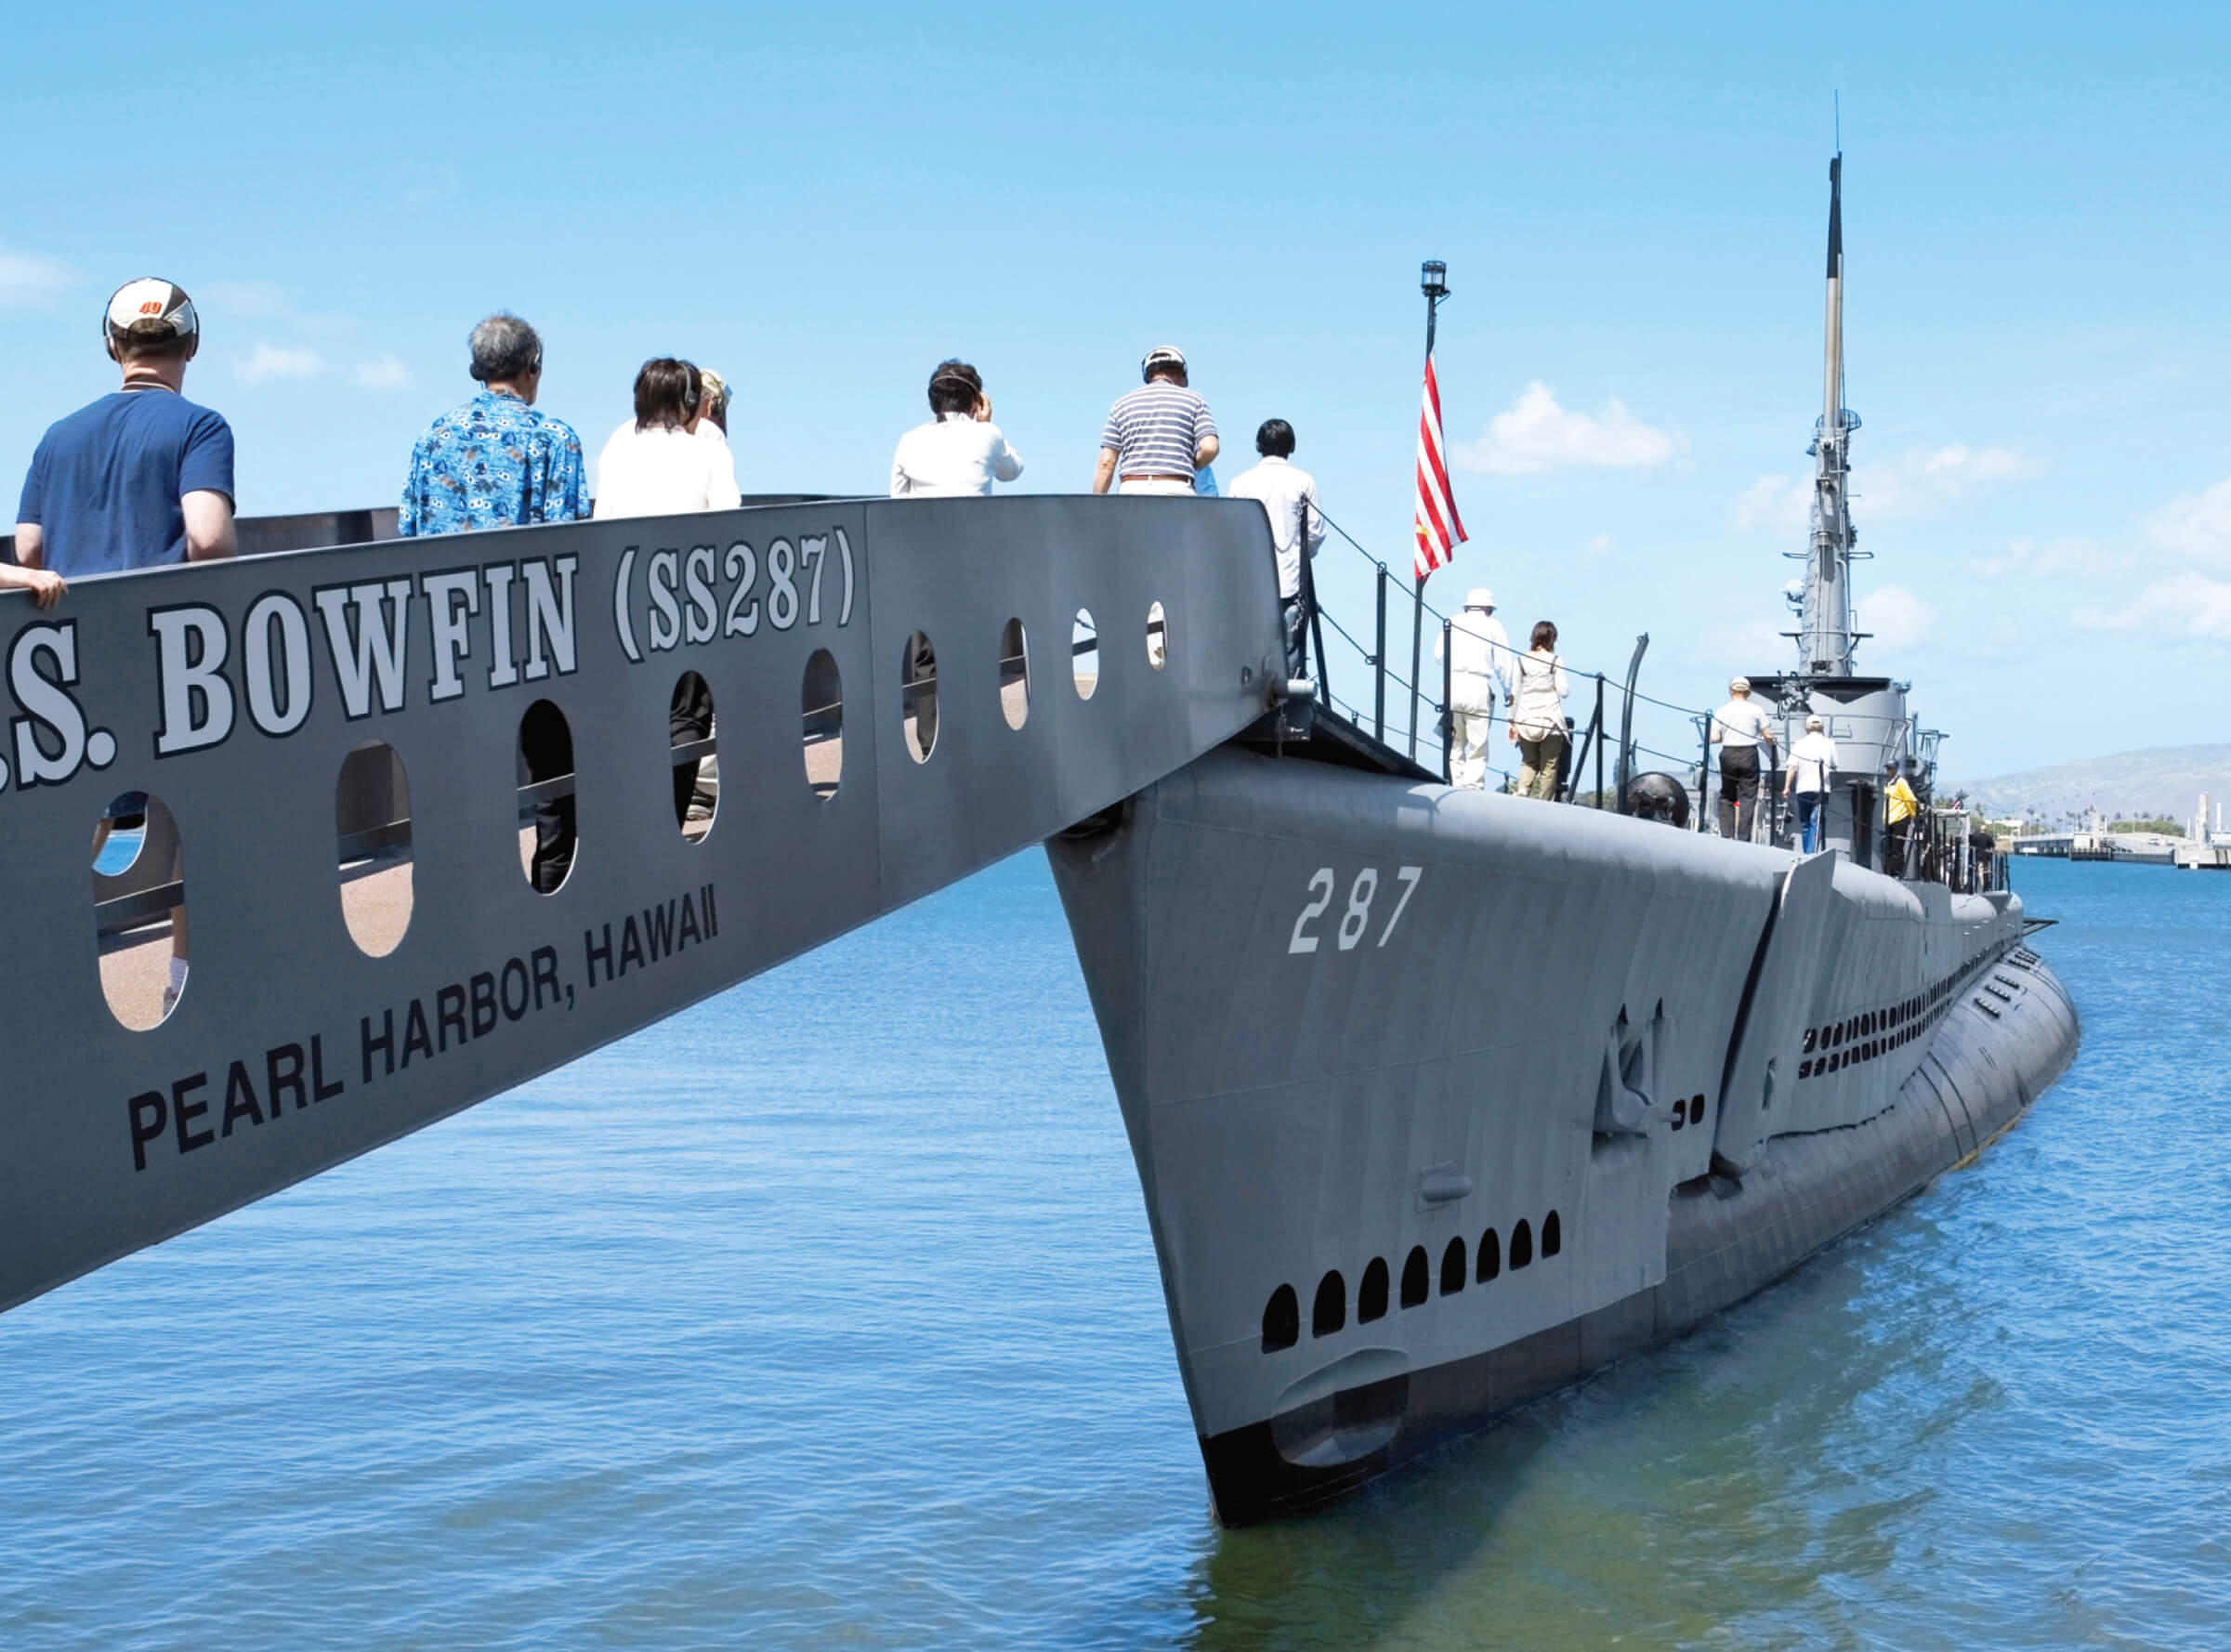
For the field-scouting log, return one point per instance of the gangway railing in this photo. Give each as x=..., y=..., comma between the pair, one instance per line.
x=272, y=741
x=1400, y=600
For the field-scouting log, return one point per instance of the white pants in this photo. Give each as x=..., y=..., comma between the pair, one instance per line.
x=1145, y=486
x=1468, y=729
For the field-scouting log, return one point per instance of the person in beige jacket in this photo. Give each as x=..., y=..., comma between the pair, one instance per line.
x=1538, y=714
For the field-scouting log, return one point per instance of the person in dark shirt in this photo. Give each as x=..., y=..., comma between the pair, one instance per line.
x=140, y=478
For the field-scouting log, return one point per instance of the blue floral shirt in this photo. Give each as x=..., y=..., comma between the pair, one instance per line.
x=493, y=463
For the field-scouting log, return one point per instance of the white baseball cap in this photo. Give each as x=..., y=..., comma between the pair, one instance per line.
x=151, y=298
x=1740, y=684
x=1814, y=723
x=1163, y=355
x=1479, y=596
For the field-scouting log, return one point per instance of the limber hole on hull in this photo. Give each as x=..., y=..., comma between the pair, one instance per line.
x=1328, y=1310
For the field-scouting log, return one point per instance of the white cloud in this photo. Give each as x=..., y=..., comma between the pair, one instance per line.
x=29, y=281
x=1917, y=481
x=1959, y=463
x=1535, y=435
x=1895, y=618
x=269, y=361
x=261, y=300
x=382, y=372
x=1774, y=502
x=1754, y=645
x=2086, y=558
x=1599, y=545
x=2195, y=525
x=2184, y=605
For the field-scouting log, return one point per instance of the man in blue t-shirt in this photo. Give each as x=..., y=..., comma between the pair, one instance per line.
x=139, y=479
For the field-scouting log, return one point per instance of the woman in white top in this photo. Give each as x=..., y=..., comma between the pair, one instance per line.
x=654, y=464
x=1538, y=714
x=960, y=450
x=1812, y=763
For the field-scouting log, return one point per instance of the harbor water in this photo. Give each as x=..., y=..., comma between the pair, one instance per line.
x=824, y=1314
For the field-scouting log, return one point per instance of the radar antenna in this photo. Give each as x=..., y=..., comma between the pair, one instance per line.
x=1825, y=637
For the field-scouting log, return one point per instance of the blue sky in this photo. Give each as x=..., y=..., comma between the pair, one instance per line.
x=824, y=201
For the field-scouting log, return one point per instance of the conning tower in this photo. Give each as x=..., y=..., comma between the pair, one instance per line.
x=1866, y=715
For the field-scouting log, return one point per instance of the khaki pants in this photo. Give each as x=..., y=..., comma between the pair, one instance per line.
x=1540, y=760
x=1468, y=730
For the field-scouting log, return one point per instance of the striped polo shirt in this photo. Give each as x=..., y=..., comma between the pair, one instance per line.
x=1156, y=429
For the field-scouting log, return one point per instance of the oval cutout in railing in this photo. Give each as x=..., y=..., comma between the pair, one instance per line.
x=372, y=831
x=822, y=708
x=690, y=748
x=918, y=696
x=1013, y=674
x=139, y=873
x=546, y=820
x=1084, y=654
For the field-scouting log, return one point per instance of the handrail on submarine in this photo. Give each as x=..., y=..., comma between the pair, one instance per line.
x=234, y=695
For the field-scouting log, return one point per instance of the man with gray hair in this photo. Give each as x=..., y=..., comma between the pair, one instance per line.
x=496, y=462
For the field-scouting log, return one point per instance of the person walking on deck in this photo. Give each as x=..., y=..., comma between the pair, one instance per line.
x=496, y=462
x=960, y=450
x=1538, y=714
x=1812, y=763
x=1159, y=435
x=140, y=478
x=712, y=421
x=1479, y=663
x=655, y=464
x=1899, y=805
x=1740, y=728
x=1288, y=495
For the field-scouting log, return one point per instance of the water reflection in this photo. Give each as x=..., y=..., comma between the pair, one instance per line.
x=1754, y=1480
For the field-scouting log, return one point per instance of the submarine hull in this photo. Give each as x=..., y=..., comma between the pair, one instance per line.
x=1441, y=1100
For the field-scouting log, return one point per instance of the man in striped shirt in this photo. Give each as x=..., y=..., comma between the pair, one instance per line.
x=1158, y=436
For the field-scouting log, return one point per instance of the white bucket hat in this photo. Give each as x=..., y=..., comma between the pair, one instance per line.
x=1479, y=596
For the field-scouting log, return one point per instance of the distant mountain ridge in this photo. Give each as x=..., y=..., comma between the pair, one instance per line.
x=2165, y=781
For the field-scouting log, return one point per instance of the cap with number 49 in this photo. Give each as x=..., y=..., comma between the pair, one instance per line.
x=150, y=300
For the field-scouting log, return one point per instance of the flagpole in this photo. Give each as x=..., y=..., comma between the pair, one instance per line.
x=1433, y=281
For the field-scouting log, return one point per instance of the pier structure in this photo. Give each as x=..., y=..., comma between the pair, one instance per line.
x=428, y=808
x=2207, y=846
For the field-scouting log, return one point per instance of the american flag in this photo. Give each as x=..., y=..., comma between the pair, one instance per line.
x=1439, y=530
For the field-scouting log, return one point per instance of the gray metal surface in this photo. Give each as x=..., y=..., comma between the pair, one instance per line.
x=321, y=529
x=1549, y=1023
x=291, y=1050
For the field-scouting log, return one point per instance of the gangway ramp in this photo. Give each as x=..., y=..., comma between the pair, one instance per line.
x=234, y=694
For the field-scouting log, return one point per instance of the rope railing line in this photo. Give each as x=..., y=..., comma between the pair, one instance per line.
x=1439, y=709
x=1417, y=596
x=1362, y=653
x=1697, y=762
x=1517, y=653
